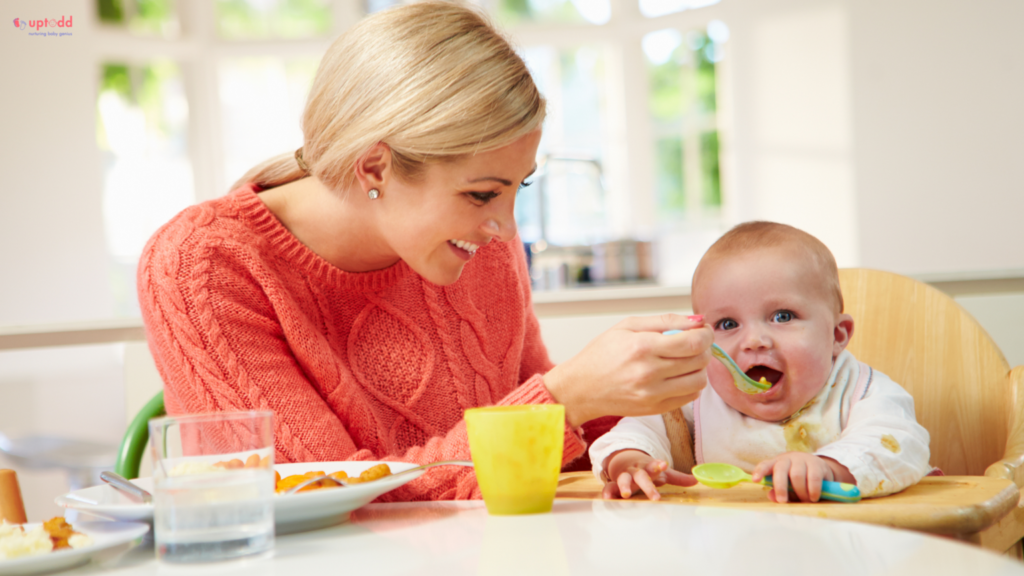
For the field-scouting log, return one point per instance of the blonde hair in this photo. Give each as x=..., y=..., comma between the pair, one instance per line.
x=754, y=235
x=434, y=81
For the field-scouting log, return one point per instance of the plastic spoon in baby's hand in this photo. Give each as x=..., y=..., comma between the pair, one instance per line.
x=727, y=476
x=743, y=382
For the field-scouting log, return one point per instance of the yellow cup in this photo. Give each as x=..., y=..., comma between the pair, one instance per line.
x=517, y=455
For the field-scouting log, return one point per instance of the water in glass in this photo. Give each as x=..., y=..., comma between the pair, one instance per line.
x=215, y=516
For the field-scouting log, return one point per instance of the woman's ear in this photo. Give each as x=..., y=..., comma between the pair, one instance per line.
x=842, y=334
x=374, y=167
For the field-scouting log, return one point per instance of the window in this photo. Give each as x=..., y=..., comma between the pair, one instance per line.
x=142, y=133
x=185, y=122
x=220, y=86
x=585, y=219
x=683, y=107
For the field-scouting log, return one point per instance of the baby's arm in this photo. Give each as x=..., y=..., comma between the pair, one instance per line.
x=882, y=446
x=636, y=454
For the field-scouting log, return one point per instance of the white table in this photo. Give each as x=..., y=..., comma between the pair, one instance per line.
x=590, y=538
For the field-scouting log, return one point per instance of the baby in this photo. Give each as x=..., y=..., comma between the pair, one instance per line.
x=771, y=293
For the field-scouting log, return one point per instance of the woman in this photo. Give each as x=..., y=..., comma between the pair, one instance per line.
x=371, y=287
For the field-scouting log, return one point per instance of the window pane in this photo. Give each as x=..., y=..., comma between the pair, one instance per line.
x=142, y=17
x=142, y=133
x=669, y=181
x=247, y=19
x=510, y=12
x=261, y=109
x=569, y=184
x=683, y=108
x=655, y=8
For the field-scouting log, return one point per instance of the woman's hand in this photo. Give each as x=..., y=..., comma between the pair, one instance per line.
x=634, y=370
x=632, y=470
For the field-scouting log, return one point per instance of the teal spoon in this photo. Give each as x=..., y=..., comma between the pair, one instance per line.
x=743, y=382
x=727, y=476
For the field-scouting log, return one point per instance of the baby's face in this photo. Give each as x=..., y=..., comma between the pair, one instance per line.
x=772, y=313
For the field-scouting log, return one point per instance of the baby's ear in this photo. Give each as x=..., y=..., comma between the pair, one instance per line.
x=842, y=334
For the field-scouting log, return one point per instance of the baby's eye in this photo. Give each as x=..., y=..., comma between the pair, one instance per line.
x=524, y=185
x=483, y=197
x=782, y=316
x=726, y=324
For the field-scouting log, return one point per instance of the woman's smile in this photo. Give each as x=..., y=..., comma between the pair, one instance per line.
x=463, y=249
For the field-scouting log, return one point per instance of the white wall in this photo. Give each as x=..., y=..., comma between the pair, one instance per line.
x=938, y=87
x=794, y=121
x=890, y=129
x=53, y=261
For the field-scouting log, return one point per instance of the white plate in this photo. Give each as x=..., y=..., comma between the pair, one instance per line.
x=104, y=535
x=292, y=513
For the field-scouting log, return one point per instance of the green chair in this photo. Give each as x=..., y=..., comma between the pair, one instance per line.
x=133, y=445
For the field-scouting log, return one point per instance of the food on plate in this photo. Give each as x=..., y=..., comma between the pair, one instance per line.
x=54, y=534
x=372, y=473
x=197, y=467
x=12, y=509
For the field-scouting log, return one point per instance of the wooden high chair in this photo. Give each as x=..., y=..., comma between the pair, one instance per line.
x=965, y=393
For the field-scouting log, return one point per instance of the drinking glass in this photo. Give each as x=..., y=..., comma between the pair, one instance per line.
x=214, y=486
x=517, y=455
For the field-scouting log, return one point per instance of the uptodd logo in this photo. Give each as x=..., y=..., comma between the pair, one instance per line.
x=64, y=22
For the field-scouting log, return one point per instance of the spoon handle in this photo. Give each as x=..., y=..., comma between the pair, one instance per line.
x=834, y=491
x=129, y=488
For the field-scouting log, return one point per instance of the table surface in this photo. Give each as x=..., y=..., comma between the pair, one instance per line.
x=950, y=505
x=589, y=537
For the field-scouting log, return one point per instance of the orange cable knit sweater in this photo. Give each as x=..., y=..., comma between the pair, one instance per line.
x=378, y=365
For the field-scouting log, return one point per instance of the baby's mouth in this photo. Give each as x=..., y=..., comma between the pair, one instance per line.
x=770, y=374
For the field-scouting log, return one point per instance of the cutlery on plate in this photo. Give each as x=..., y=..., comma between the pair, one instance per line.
x=315, y=479
x=126, y=486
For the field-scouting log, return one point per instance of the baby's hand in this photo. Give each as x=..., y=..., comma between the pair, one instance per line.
x=632, y=470
x=805, y=472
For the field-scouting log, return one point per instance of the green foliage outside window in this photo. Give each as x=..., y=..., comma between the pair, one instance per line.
x=142, y=87
x=241, y=19
x=710, y=170
x=682, y=106
x=669, y=180
x=510, y=12
x=145, y=17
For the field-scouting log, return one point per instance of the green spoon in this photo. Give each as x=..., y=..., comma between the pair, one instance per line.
x=727, y=476
x=743, y=382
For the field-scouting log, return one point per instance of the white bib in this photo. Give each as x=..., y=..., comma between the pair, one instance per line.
x=725, y=435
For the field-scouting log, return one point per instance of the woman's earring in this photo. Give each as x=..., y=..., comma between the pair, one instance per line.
x=373, y=193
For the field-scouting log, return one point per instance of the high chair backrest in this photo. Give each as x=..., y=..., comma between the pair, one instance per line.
x=922, y=339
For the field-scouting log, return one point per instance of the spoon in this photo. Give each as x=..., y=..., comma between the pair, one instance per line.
x=305, y=483
x=727, y=476
x=126, y=486
x=743, y=382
